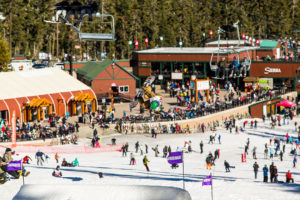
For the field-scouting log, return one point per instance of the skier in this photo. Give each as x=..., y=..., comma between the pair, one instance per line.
x=265, y=173
x=254, y=152
x=266, y=153
x=146, y=148
x=219, y=138
x=145, y=161
x=57, y=172
x=281, y=156
x=141, y=149
x=201, y=147
x=39, y=157
x=137, y=146
x=169, y=150
x=211, y=138
x=156, y=150
x=255, y=168
x=124, y=152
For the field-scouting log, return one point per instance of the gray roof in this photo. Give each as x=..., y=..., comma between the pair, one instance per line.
x=195, y=50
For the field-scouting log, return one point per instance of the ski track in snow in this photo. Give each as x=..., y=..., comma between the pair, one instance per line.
x=239, y=184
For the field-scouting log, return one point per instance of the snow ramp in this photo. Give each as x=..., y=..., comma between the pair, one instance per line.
x=103, y=192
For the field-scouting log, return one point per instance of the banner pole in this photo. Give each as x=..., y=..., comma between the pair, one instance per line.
x=212, y=195
x=23, y=175
x=183, y=171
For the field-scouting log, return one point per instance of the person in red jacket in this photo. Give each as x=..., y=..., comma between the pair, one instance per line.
x=26, y=160
x=289, y=178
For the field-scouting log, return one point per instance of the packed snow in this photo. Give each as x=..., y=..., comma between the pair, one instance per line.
x=234, y=185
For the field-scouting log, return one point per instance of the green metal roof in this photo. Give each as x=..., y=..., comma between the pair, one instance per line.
x=92, y=69
x=268, y=44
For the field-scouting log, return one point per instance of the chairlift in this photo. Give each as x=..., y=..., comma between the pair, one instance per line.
x=214, y=67
x=97, y=36
x=100, y=20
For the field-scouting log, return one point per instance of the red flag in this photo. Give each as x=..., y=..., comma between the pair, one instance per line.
x=136, y=43
x=257, y=43
x=147, y=41
x=250, y=39
x=211, y=33
x=243, y=36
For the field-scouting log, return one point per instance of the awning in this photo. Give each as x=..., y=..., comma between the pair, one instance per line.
x=286, y=104
x=83, y=97
x=37, y=102
x=251, y=79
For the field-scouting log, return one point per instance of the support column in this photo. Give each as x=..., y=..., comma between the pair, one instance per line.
x=82, y=108
x=50, y=109
x=205, y=70
x=182, y=69
x=29, y=114
x=193, y=68
x=38, y=114
x=160, y=69
x=94, y=105
x=172, y=67
x=25, y=114
x=74, y=109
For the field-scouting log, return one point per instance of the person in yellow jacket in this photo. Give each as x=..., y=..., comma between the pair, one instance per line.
x=145, y=161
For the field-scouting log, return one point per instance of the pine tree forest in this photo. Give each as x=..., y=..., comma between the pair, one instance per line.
x=25, y=31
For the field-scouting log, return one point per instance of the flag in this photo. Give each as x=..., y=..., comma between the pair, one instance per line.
x=175, y=158
x=243, y=36
x=130, y=43
x=207, y=180
x=147, y=41
x=14, y=165
x=136, y=43
x=211, y=33
x=161, y=38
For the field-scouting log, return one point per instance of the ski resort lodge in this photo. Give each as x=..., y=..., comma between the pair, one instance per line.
x=35, y=94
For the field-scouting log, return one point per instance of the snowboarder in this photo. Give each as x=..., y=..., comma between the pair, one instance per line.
x=227, y=166
x=146, y=148
x=281, y=156
x=145, y=161
x=201, y=147
x=265, y=173
x=255, y=168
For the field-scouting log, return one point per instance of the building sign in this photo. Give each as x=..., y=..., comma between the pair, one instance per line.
x=177, y=76
x=202, y=85
x=160, y=77
x=265, y=82
x=269, y=70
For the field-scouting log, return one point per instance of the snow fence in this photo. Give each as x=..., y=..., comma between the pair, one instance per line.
x=66, y=149
x=103, y=192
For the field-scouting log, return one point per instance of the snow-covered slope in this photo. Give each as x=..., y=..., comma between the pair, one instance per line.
x=239, y=184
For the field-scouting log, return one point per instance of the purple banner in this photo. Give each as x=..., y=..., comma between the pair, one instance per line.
x=175, y=158
x=207, y=180
x=14, y=165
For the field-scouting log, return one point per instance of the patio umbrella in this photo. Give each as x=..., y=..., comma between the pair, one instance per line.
x=286, y=104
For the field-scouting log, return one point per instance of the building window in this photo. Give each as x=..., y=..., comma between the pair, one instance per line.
x=124, y=89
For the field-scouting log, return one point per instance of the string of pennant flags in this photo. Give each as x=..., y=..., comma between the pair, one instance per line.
x=246, y=38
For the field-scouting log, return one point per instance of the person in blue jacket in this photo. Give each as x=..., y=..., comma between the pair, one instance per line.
x=265, y=172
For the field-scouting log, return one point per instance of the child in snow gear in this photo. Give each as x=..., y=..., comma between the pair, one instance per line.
x=265, y=173
x=75, y=163
x=132, y=159
x=289, y=178
x=57, y=172
x=145, y=161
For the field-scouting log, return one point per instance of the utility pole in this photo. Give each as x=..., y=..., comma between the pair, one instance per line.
x=57, y=42
x=10, y=26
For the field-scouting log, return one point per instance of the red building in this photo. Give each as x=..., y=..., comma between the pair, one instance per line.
x=108, y=76
x=34, y=94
